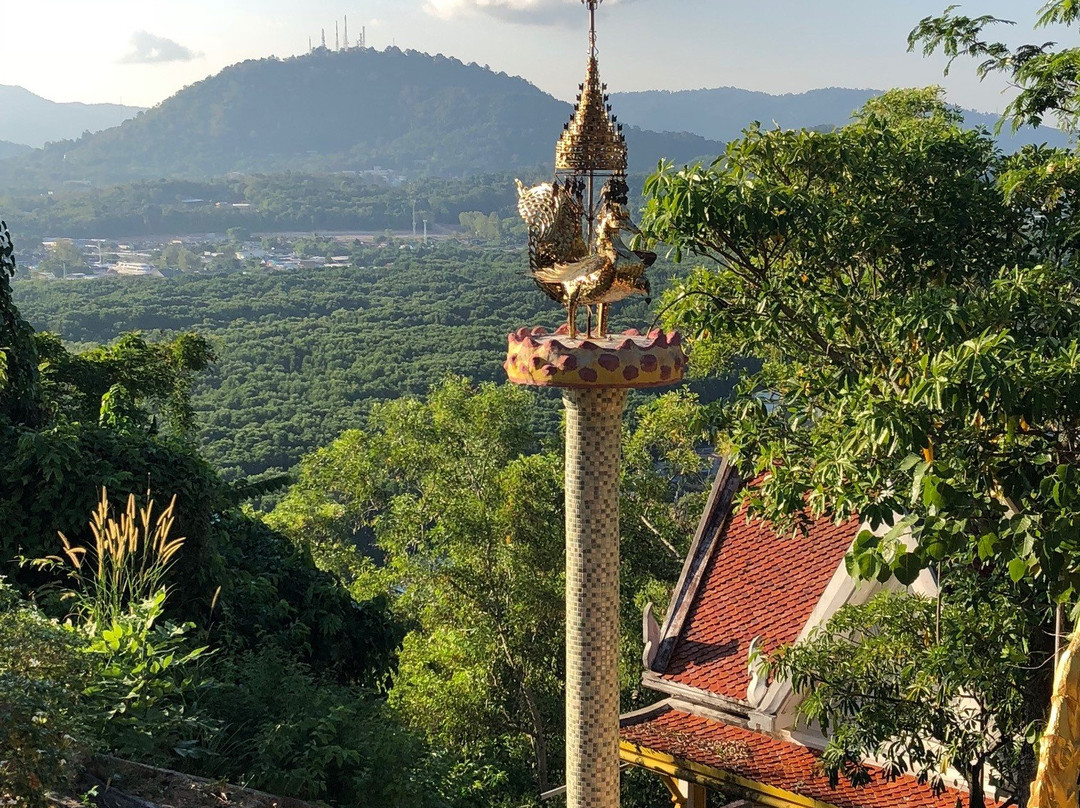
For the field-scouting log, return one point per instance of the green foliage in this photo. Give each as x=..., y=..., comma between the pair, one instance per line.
x=274, y=597
x=904, y=371
x=302, y=356
x=492, y=228
x=457, y=499
x=912, y=297
x=288, y=202
x=1048, y=77
x=143, y=683
x=896, y=680
x=468, y=525
x=287, y=731
x=132, y=380
x=20, y=396
x=44, y=731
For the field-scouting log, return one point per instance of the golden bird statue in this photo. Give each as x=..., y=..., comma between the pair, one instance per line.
x=610, y=273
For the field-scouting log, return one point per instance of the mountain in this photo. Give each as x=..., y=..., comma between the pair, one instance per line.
x=722, y=113
x=8, y=149
x=340, y=110
x=31, y=119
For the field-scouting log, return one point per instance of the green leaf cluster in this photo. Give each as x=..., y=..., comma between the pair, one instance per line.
x=926, y=686
x=908, y=292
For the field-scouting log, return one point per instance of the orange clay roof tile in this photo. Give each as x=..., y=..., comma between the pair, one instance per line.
x=757, y=584
x=772, y=762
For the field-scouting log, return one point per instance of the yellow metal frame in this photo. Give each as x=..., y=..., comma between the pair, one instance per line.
x=666, y=765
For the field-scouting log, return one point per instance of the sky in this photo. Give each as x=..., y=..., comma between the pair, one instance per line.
x=139, y=52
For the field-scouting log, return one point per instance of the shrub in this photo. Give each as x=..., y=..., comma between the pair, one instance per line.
x=44, y=731
x=288, y=731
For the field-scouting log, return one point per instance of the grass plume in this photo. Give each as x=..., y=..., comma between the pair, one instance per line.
x=128, y=561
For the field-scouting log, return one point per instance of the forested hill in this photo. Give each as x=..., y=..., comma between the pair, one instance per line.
x=336, y=110
x=722, y=113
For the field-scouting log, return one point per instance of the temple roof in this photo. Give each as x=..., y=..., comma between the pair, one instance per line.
x=742, y=581
x=756, y=584
x=778, y=772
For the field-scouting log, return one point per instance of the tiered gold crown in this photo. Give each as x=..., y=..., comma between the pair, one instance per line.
x=592, y=140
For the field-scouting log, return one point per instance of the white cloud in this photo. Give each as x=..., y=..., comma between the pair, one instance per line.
x=147, y=48
x=543, y=12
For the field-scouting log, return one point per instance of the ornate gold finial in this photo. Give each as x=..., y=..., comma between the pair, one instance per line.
x=592, y=140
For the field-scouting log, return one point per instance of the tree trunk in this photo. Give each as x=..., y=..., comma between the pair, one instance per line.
x=976, y=797
x=1055, y=784
x=538, y=742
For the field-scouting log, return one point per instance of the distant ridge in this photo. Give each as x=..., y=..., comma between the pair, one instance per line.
x=723, y=112
x=35, y=121
x=406, y=111
x=8, y=149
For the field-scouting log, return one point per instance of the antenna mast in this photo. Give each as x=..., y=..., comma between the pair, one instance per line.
x=346, y=32
x=592, y=4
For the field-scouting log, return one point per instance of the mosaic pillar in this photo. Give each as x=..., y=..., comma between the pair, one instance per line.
x=593, y=437
x=595, y=374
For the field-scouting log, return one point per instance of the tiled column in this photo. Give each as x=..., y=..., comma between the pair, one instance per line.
x=593, y=438
x=595, y=374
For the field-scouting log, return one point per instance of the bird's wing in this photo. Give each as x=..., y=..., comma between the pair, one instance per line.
x=536, y=205
x=567, y=273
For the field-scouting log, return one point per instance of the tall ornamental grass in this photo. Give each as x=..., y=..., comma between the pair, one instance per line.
x=128, y=562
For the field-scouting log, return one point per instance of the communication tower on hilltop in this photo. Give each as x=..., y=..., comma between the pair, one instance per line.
x=346, y=32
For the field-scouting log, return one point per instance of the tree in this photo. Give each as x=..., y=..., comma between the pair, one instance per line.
x=154, y=377
x=467, y=519
x=910, y=294
x=1048, y=78
x=928, y=687
x=64, y=258
x=20, y=392
x=457, y=499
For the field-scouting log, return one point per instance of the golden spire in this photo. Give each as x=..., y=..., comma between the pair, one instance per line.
x=592, y=140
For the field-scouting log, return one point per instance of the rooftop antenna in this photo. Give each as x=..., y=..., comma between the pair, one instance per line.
x=346, y=32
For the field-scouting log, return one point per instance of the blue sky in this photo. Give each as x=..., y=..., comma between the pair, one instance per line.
x=142, y=51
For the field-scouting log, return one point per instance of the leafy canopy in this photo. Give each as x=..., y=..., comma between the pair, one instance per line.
x=908, y=292
x=1048, y=78
x=932, y=690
